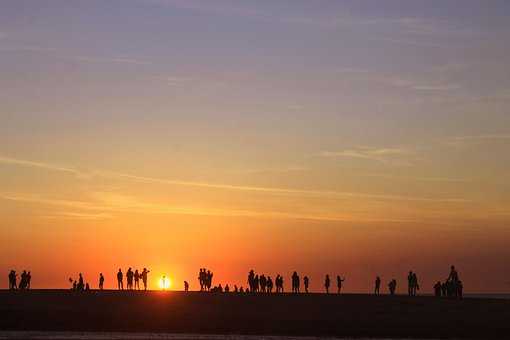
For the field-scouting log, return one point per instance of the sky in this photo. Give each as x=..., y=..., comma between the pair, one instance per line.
x=352, y=138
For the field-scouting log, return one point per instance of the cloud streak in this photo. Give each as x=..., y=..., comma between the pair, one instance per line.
x=382, y=155
x=258, y=189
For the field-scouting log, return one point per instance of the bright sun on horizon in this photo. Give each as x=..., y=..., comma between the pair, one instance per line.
x=165, y=282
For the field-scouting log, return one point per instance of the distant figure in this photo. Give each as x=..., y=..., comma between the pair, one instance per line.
x=163, y=282
x=306, y=282
x=129, y=278
x=12, y=280
x=327, y=283
x=23, y=280
x=410, y=283
x=144, y=278
x=137, y=280
x=415, y=285
x=454, y=285
x=227, y=289
x=120, y=278
x=437, y=289
x=81, y=285
x=339, y=281
x=392, y=286
x=377, y=285
x=454, y=276
x=29, y=279
x=295, y=282
x=87, y=287
x=186, y=286
x=101, y=281
x=269, y=284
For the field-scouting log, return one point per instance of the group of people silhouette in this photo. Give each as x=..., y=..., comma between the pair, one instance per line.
x=452, y=287
x=261, y=283
x=24, y=282
x=133, y=279
x=412, y=284
x=205, y=279
x=79, y=285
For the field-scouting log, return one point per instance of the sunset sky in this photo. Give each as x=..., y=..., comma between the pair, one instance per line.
x=359, y=138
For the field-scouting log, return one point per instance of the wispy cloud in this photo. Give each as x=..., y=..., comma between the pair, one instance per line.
x=116, y=60
x=107, y=204
x=459, y=141
x=377, y=153
x=41, y=165
x=420, y=179
x=397, y=156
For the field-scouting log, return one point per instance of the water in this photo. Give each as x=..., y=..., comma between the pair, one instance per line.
x=155, y=336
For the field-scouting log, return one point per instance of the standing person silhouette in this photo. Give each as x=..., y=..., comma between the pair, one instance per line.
x=120, y=283
x=327, y=283
x=186, y=286
x=410, y=283
x=137, y=280
x=144, y=278
x=377, y=285
x=339, y=281
x=306, y=282
x=101, y=281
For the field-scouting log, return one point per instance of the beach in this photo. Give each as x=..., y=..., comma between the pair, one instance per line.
x=348, y=315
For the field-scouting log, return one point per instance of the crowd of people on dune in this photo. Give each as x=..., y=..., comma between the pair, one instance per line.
x=257, y=283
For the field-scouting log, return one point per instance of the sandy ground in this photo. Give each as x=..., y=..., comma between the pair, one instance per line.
x=348, y=315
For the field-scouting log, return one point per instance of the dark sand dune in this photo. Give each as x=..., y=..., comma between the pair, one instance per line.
x=312, y=314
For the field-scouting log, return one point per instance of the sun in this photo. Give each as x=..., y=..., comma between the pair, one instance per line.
x=165, y=282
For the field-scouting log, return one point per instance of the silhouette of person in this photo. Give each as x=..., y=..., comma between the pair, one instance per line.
x=12, y=280
x=186, y=286
x=392, y=286
x=306, y=282
x=129, y=278
x=120, y=278
x=327, y=283
x=87, y=287
x=101, y=281
x=410, y=283
x=415, y=285
x=144, y=278
x=137, y=279
x=269, y=284
x=81, y=284
x=377, y=285
x=29, y=279
x=437, y=289
x=295, y=282
x=339, y=281
x=23, y=280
